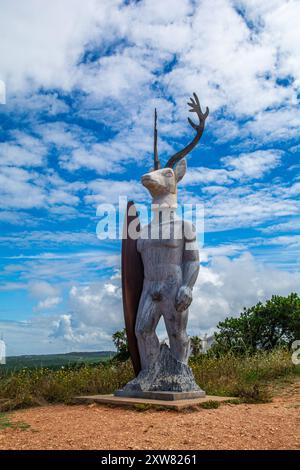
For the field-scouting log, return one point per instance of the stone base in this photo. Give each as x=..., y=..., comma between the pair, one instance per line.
x=166, y=374
x=161, y=395
x=128, y=401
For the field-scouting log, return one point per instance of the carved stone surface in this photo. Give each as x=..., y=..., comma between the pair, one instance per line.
x=165, y=374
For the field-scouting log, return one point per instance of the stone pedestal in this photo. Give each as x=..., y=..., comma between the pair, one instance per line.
x=177, y=404
x=166, y=379
x=166, y=396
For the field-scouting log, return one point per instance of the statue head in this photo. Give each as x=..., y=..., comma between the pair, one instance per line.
x=162, y=182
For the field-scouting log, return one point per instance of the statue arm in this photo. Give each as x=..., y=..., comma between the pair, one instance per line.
x=190, y=270
x=190, y=265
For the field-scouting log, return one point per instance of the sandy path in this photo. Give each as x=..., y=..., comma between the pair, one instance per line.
x=268, y=426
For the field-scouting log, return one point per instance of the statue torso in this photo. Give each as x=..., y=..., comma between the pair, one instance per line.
x=162, y=254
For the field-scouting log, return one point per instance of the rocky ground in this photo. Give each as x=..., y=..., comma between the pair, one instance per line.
x=273, y=425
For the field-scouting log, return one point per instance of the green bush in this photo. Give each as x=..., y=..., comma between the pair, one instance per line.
x=274, y=324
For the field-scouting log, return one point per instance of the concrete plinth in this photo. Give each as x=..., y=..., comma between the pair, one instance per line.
x=129, y=401
x=159, y=395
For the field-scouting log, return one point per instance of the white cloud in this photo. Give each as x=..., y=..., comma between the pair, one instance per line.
x=17, y=218
x=49, y=302
x=283, y=240
x=227, y=285
x=135, y=41
x=96, y=314
x=292, y=225
x=46, y=40
x=224, y=286
x=11, y=286
x=247, y=207
x=46, y=293
x=274, y=125
x=22, y=150
x=63, y=328
x=34, y=103
x=97, y=304
x=45, y=239
x=252, y=165
x=43, y=289
x=207, y=176
x=109, y=191
x=64, y=269
x=15, y=184
x=22, y=188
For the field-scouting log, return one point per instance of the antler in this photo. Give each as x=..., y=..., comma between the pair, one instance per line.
x=195, y=108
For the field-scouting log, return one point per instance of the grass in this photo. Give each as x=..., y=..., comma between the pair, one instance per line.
x=30, y=387
x=5, y=423
x=250, y=378
x=210, y=405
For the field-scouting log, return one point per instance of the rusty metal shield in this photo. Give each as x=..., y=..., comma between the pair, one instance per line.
x=132, y=283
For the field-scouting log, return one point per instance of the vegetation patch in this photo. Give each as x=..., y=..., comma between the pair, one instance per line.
x=247, y=377
x=210, y=405
x=5, y=423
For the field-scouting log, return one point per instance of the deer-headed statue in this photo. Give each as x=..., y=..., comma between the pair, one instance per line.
x=171, y=266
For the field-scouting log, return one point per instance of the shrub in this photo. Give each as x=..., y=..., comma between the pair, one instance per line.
x=261, y=327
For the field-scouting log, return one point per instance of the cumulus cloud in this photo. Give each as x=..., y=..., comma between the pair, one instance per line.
x=143, y=38
x=96, y=313
x=22, y=150
x=42, y=289
x=292, y=225
x=245, y=166
x=247, y=207
x=109, y=191
x=48, y=302
x=230, y=278
x=22, y=188
x=15, y=184
x=252, y=165
x=47, y=294
x=53, y=238
x=227, y=285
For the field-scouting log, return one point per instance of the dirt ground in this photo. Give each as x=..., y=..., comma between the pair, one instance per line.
x=274, y=425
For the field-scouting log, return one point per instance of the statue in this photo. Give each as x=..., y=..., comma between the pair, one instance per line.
x=159, y=271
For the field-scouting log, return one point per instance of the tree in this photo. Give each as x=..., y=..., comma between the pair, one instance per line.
x=120, y=341
x=261, y=327
x=196, y=345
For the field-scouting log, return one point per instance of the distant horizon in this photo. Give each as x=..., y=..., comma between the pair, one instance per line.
x=60, y=354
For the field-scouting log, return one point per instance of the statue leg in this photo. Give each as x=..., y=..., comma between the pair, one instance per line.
x=176, y=324
x=146, y=322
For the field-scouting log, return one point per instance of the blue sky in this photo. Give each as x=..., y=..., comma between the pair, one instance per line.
x=82, y=80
